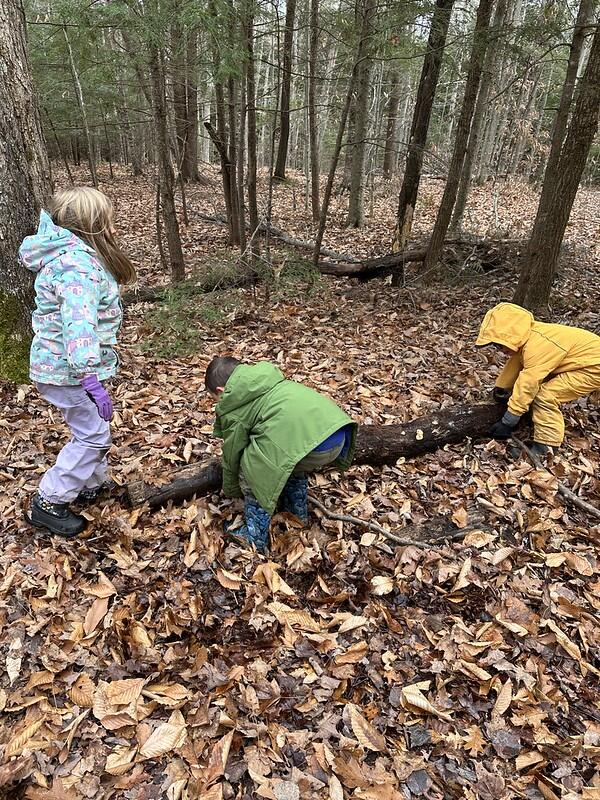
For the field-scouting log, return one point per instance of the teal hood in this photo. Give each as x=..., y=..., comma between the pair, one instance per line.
x=49, y=243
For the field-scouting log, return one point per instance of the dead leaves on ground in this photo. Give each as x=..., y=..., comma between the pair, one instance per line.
x=152, y=660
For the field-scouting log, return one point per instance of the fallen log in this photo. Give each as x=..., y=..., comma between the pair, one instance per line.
x=482, y=253
x=376, y=445
x=489, y=253
x=301, y=244
x=377, y=267
x=158, y=294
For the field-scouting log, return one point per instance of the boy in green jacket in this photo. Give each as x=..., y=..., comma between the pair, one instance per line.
x=274, y=431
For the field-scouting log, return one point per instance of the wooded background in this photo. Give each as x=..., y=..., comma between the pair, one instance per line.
x=345, y=95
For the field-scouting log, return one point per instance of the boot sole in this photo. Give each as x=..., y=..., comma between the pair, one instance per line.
x=41, y=527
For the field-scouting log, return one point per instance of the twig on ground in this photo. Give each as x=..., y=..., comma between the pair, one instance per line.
x=373, y=526
x=561, y=488
x=498, y=512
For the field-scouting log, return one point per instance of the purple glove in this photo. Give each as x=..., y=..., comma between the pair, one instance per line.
x=98, y=395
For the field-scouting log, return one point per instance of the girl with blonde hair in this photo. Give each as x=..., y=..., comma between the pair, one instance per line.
x=79, y=267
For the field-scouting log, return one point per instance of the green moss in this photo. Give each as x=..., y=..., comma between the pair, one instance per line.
x=14, y=346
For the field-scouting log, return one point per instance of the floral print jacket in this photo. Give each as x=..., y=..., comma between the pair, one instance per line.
x=77, y=308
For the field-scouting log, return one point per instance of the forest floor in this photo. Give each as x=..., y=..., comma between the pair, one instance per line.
x=152, y=659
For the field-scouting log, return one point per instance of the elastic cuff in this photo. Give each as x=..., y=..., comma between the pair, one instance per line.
x=510, y=419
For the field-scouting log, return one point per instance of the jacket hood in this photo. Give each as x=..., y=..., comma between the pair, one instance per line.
x=246, y=383
x=506, y=324
x=48, y=243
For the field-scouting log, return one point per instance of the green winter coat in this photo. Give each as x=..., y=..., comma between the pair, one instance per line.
x=268, y=424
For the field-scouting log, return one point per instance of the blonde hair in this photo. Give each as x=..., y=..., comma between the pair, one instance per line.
x=88, y=213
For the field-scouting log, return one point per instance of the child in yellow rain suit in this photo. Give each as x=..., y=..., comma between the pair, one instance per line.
x=549, y=364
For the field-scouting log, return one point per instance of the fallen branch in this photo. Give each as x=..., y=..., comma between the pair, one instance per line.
x=156, y=294
x=377, y=267
x=454, y=535
x=376, y=445
x=563, y=490
x=301, y=244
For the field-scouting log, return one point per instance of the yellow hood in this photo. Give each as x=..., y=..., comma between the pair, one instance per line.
x=506, y=324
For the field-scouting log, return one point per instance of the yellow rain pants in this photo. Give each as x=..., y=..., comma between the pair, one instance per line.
x=549, y=425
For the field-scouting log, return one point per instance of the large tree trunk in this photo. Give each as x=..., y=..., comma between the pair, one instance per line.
x=190, y=159
x=478, y=116
x=584, y=16
x=286, y=82
x=360, y=55
x=313, y=130
x=24, y=187
x=252, y=143
x=391, y=131
x=82, y=108
x=179, y=76
x=559, y=190
x=478, y=50
x=236, y=176
x=166, y=176
x=376, y=445
x=356, y=214
x=420, y=122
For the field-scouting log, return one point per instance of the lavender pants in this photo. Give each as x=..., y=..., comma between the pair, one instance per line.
x=81, y=464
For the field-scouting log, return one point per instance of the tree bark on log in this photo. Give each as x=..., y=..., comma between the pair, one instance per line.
x=488, y=251
x=487, y=254
x=376, y=445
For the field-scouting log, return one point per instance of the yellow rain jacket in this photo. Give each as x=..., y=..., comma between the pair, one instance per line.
x=542, y=352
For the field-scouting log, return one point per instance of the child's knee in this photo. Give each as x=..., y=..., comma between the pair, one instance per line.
x=97, y=440
x=545, y=399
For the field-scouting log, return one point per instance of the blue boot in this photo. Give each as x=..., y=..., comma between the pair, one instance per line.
x=256, y=528
x=294, y=498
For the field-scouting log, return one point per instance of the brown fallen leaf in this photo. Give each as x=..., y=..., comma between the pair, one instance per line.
x=462, y=580
x=82, y=691
x=382, y=585
x=124, y=692
x=336, y=791
x=474, y=741
x=526, y=760
x=120, y=761
x=217, y=760
x=167, y=694
x=460, y=517
x=229, y=580
x=103, y=588
x=19, y=740
x=56, y=792
x=353, y=654
x=166, y=737
x=503, y=700
x=113, y=716
x=95, y=615
x=489, y=786
x=412, y=698
x=367, y=735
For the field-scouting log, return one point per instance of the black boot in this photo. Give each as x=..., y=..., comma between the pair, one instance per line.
x=540, y=450
x=55, y=517
x=87, y=496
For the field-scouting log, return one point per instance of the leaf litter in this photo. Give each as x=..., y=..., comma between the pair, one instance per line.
x=153, y=659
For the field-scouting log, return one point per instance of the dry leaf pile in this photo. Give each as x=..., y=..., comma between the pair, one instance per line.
x=153, y=659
